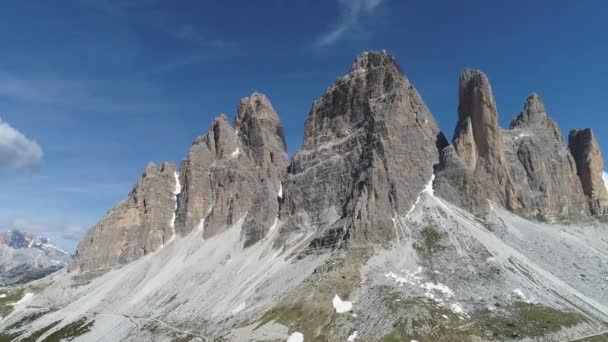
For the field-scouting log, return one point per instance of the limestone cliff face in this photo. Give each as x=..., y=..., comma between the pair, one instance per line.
x=473, y=168
x=141, y=224
x=370, y=147
x=234, y=172
x=590, y=164
x=526, y=169
x=370, y=144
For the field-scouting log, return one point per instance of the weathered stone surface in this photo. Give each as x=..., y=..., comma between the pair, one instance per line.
x=473, y=169
x=590, y=166
x=234, y=172
x=139, y=225
x=526, y=169
x=370, y=144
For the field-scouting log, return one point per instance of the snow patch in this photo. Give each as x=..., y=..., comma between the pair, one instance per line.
x=341, y=306
x=296, y=337
x=239, y=308
x=3, y=295
x=353, y=336
x=428, y=189
x=236, y=152
x=24, y=300
x=280, y=194
x=437, y=292
x=176, y=191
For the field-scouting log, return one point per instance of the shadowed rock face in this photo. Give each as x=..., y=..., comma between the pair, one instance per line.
x=370, y=144
x=590, y=165
x=526, y=169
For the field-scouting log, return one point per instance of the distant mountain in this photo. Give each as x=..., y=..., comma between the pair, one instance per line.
x=25, y=257
x=378, y=229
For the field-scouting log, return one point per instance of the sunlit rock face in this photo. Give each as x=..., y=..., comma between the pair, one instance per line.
x=527, y=168
x=370, y=144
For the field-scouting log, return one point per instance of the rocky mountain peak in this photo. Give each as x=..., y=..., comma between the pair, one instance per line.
x=370, y=144
x=590, y=165
x=477, y=118
x=369, y=60
x=527, y=169
x=533, y=116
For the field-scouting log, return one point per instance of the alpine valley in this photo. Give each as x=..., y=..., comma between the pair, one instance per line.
x=378, y=229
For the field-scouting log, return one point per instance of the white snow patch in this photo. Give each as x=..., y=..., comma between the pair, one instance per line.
x=437, y=292
x=456, y=308
x=55, y=248
x=24, y=300
x=239, y=308
x=236, y=152
x=353, y=336
x=296, y=337
x=605, y=178
x=341, y=306
x=280, y=194
x=428, y=189
x=176, y=191
x=3, y=295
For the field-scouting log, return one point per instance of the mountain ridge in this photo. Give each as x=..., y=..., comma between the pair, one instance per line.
x=483, y=238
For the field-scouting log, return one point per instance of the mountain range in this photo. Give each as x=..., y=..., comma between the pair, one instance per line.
x=25, y=257
x=378, y=229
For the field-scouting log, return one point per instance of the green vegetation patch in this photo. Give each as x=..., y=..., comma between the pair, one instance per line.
x=9, y=296
x=422, y=320
x=33, y=337
x=308, y=308
x=430, y=241
x=71, y=331
x=527, y=320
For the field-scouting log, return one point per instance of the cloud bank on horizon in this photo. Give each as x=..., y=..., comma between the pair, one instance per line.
x=351, y=12
x=17, y=151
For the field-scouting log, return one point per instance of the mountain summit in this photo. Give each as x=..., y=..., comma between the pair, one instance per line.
x=378, y=229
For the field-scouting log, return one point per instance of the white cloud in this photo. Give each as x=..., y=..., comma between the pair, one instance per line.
x=67, y=232
x=351, y=12
x=16, y=150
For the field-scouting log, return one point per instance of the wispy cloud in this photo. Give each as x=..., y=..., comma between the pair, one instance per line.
x=351, y=12
x=18, y=151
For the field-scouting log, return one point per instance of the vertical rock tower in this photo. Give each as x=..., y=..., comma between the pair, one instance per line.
x=590, y=165
x=370, y=144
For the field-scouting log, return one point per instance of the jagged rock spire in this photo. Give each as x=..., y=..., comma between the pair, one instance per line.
x=534, y=116
x=527, y=169
x=477, y=118
x=370, y=144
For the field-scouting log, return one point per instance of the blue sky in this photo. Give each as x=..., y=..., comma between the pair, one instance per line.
x=92, y=90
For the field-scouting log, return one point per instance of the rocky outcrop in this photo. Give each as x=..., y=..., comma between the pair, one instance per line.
x=472, y=169
x=232, y=173
x=526, y=169
x=235, y=172
x=590, y=166
x=370, y=148
x=25, y=257
x=370, y=144
x=141, y=224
